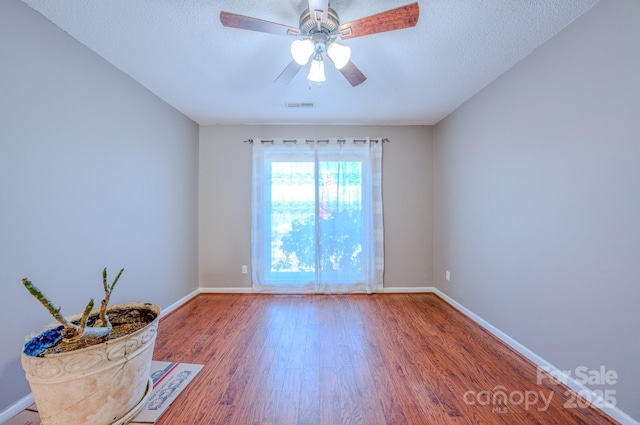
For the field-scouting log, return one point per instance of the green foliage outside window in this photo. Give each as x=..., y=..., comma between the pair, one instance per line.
x=340, y=243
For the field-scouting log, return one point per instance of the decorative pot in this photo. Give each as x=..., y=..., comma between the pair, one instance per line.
x=103, y=384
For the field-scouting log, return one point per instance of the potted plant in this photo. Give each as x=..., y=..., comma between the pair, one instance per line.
x=93, y=368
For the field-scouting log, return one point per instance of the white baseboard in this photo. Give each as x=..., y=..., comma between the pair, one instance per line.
x=226, y=290
x=16, y=408
x=407, y=289
x=179, y=303
x=387, y=290
x=578, y=387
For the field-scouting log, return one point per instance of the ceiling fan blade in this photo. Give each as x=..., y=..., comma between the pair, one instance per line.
x=353, y=74
x=288, y=73
x=233, y=20
x=319, y=9
x=393, y=19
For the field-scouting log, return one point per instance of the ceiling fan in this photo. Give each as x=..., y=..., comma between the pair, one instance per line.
x=317, y=35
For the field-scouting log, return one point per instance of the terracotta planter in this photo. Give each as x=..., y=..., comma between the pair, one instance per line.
x=102, y=384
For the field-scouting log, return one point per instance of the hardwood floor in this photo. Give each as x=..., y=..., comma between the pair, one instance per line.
x=352, y=359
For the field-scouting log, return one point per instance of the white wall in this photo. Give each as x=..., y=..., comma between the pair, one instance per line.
x=538, y=199
x=225, y=200
x=95, y=172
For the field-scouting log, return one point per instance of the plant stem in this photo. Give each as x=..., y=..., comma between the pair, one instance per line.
x=55, y=312
x=107, y=295
x=85, y=316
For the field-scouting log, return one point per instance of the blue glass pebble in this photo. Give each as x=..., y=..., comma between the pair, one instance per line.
x=42, y=342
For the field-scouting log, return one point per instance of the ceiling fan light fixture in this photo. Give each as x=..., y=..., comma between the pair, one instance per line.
x=301, y=50
x=319, y=27
x=339, y=54
x=316, y=71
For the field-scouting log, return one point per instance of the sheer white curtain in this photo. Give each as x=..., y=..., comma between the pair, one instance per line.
x=317, y=222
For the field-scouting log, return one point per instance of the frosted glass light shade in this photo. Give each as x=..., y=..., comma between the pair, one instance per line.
x=301, y=50
x=339, y=54
x=316, y=71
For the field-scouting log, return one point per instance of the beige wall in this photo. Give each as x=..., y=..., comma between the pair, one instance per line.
x=225, y=200
x=538, y=199
x=95, y=172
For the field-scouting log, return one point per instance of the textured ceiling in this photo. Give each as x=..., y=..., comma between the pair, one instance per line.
x=215, y=75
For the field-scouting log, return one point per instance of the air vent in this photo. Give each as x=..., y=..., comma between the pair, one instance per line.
x=299, y=105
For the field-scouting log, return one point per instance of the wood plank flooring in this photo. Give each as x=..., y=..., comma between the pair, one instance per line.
x=387, y=359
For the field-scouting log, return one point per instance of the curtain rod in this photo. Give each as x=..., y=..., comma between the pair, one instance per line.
x=383, y=140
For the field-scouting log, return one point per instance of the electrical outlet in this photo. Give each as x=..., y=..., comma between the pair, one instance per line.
x=447, y=275
x=244, y=269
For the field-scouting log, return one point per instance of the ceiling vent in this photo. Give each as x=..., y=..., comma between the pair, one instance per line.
x=299, y=105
